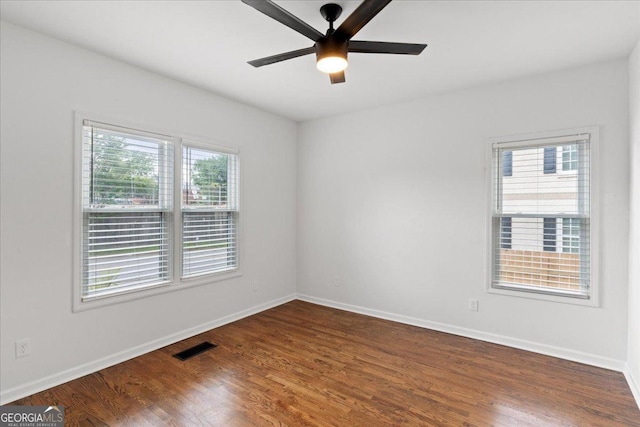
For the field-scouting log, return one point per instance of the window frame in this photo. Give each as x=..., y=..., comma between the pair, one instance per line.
x=594, y=218
x=175, y=282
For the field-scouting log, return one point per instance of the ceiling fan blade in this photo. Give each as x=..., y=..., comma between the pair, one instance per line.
x=282, y=57
x=386, y=47
x=274, y=11
x=359, y=18
x=337, y=77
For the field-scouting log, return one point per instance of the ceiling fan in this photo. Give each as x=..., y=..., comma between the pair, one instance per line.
x=331, y=49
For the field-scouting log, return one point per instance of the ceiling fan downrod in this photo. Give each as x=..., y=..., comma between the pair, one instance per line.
x=331, y=12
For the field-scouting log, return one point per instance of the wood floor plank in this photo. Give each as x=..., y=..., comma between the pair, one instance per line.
x=301, y=364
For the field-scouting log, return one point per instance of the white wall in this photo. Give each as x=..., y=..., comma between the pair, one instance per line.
x=393, y=201
x=633, y=352
x=42, y=82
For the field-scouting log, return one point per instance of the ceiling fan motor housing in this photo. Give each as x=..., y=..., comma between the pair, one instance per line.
x=331, y=47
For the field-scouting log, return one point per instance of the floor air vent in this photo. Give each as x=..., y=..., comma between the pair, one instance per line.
x=194, y=351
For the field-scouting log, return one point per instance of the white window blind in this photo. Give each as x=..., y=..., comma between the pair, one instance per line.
x=546, y=247
x=126, y=207
x=209, y=211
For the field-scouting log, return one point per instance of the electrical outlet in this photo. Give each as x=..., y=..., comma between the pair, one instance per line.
x=255, y=286
x=23, y=348
x=336, y=281
x=473, y=304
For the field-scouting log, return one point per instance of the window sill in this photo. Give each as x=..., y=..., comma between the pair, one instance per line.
x=135, y=294
x=586, y=302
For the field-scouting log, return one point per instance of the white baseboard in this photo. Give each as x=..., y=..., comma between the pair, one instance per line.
x=563, y=353
x=634, y=384
x=24, y=390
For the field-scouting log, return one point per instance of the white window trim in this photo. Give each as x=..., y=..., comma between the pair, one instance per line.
x=175, y=283
x=594, y=171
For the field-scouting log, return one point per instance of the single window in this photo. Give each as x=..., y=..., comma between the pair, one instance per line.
x=505, y=232
x=549, y=234
x=549, y=160
x=126, y=201
x=569, y=157
x=209, y=211
x=541, y=220
x=571, y=235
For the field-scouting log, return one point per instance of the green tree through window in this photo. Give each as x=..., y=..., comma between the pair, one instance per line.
x=122, y=171
x=210, y=178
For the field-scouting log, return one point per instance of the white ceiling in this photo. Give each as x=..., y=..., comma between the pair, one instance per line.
x=207, y=44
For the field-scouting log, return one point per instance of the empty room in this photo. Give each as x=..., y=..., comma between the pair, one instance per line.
x=306, y=213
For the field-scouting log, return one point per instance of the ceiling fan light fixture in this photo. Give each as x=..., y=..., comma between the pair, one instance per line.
x=332, y=64
x=331, y=56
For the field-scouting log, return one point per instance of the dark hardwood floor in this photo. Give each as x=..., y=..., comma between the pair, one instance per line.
x=301, y=364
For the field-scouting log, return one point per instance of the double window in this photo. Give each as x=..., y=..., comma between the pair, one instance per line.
x=157, y=211
x=542, y=220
